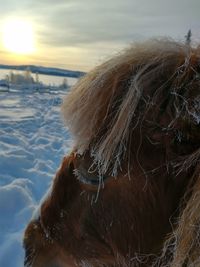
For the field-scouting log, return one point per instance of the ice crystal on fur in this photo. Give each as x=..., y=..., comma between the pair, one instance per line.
x=101, y=111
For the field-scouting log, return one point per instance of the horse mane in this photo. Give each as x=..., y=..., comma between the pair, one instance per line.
x=106, y=106
x=147, y=77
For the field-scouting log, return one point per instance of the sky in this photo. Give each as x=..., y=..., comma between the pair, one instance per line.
x=79, y=34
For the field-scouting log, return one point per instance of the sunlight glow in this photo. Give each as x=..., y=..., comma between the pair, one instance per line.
x=18, y=36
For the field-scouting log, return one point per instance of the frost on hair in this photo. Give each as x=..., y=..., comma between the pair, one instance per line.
x=104, y=108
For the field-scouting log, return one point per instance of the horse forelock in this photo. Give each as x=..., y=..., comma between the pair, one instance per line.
x=106, y=105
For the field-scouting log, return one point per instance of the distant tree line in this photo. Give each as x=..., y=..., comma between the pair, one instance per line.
x=27, y=78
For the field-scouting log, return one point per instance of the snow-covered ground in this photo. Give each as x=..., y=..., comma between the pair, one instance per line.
x=33, y=141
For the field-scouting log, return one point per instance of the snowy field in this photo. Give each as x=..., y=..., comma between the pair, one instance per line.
x=33, y=141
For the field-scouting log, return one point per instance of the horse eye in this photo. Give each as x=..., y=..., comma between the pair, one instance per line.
x=86, y=171
x=86, y=177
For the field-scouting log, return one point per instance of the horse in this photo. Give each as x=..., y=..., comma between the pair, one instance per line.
x=128, y=193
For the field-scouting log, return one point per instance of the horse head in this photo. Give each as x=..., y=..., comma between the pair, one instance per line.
x=118, y=197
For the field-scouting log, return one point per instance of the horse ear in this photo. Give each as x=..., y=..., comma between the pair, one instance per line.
x=65, y=189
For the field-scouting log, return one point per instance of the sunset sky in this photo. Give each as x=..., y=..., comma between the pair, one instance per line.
x=78, y=34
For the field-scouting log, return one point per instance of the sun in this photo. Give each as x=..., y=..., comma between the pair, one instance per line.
x=18, y=36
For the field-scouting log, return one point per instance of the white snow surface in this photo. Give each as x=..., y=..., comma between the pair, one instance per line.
x=33, y=141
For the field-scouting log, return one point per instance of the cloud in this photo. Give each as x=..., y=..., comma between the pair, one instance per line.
x=83, y=22
x=91, y=24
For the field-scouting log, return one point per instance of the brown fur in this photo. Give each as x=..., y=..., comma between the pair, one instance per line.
x=135, y=122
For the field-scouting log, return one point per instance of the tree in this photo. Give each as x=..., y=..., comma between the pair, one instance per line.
x=28, y=76
x=188, y=37
x=37, y=78
x=64, y=83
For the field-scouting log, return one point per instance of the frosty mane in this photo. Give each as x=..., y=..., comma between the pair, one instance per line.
x=104, y=107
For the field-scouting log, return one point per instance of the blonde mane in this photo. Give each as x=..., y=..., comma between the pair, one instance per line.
x=101, y=109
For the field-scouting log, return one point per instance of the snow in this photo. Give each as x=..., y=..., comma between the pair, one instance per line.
x=33, y=141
